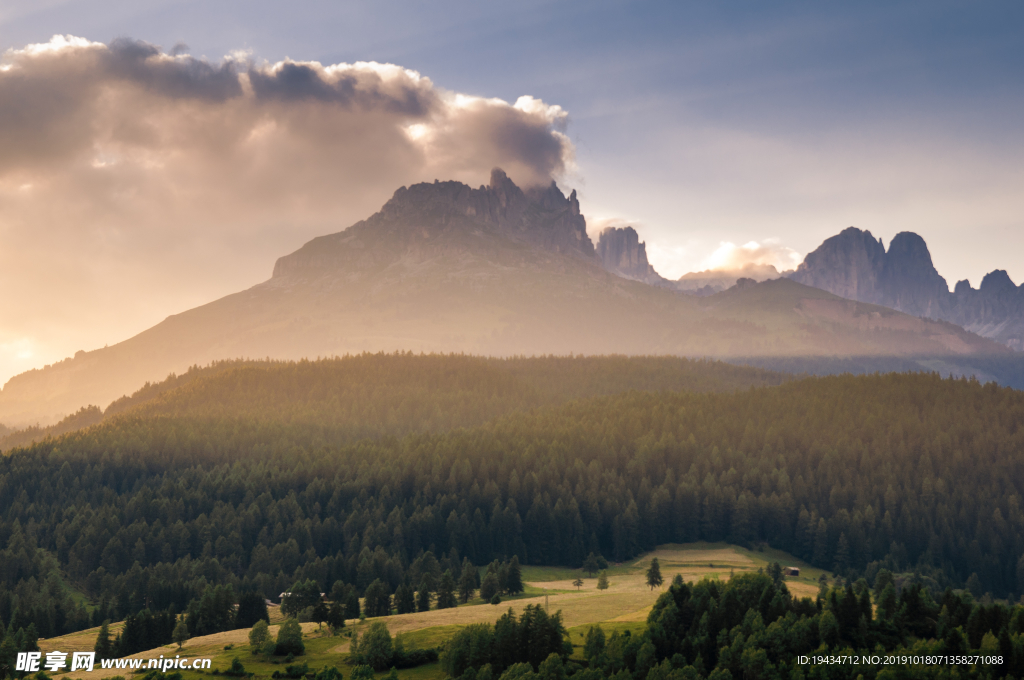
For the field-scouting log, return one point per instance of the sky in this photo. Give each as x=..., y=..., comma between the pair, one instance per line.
x=142, y=175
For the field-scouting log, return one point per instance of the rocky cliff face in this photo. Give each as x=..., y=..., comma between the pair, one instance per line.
x=856, y=266
x=849, y=264
x=621, y=251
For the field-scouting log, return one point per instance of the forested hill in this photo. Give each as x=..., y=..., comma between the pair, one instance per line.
x=373, y=395
x=910, y=472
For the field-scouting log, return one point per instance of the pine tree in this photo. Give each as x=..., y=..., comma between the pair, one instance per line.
x=489, y=588
x=887, y=602
x=377, y=599
x=467, y=581
x=405, y=601
x=319, y=613
x=423, y=596
x=578, y=583
x=514, y=582
x=336, y=617
x=180, y=632
x=602, y=581
x=842, y=555
x=593, y=647
x=590, y=564
x=654, y=579
x=251, y=608
x=446, y=592
x=820, y=557
x=104, y=647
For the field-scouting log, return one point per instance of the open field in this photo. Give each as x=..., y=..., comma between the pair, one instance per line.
x=623, y=606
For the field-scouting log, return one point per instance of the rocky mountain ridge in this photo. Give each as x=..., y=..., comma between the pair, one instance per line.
x=855, y=265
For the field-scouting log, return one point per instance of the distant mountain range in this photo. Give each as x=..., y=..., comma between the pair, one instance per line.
x=856, y=266
x=495, y=270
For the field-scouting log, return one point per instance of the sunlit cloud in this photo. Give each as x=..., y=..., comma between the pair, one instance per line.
x=136, y=183
x=769, y=252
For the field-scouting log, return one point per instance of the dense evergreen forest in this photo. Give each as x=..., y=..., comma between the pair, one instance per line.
x=374, y=395
x=263, y=476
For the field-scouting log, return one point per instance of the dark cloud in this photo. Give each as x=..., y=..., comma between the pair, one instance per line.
x=296, y=82
x=171, y=76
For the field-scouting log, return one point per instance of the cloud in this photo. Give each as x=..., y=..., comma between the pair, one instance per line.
x=595, y=225
x=729, y=256
x=136, y=183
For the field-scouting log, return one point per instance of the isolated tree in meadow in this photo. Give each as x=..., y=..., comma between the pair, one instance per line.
x=602, y=581
x=104, y=645
x=259, y=636
x=590, y=564
x=179, y=635
x=289, y=639
x=654, y=578
x=375, y=648
x=578, y=583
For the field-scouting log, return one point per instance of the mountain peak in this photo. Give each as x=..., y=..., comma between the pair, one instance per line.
x=910, y=248
x=621, y=251
x=541, y=217
x=910, y=280
x=848, y=264
x=997, y=281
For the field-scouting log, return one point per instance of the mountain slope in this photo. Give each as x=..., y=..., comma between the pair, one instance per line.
x=492, y=271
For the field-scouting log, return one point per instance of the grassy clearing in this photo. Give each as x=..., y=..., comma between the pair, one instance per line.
x=541, y=574
x=82, y=641
x=624, y=606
